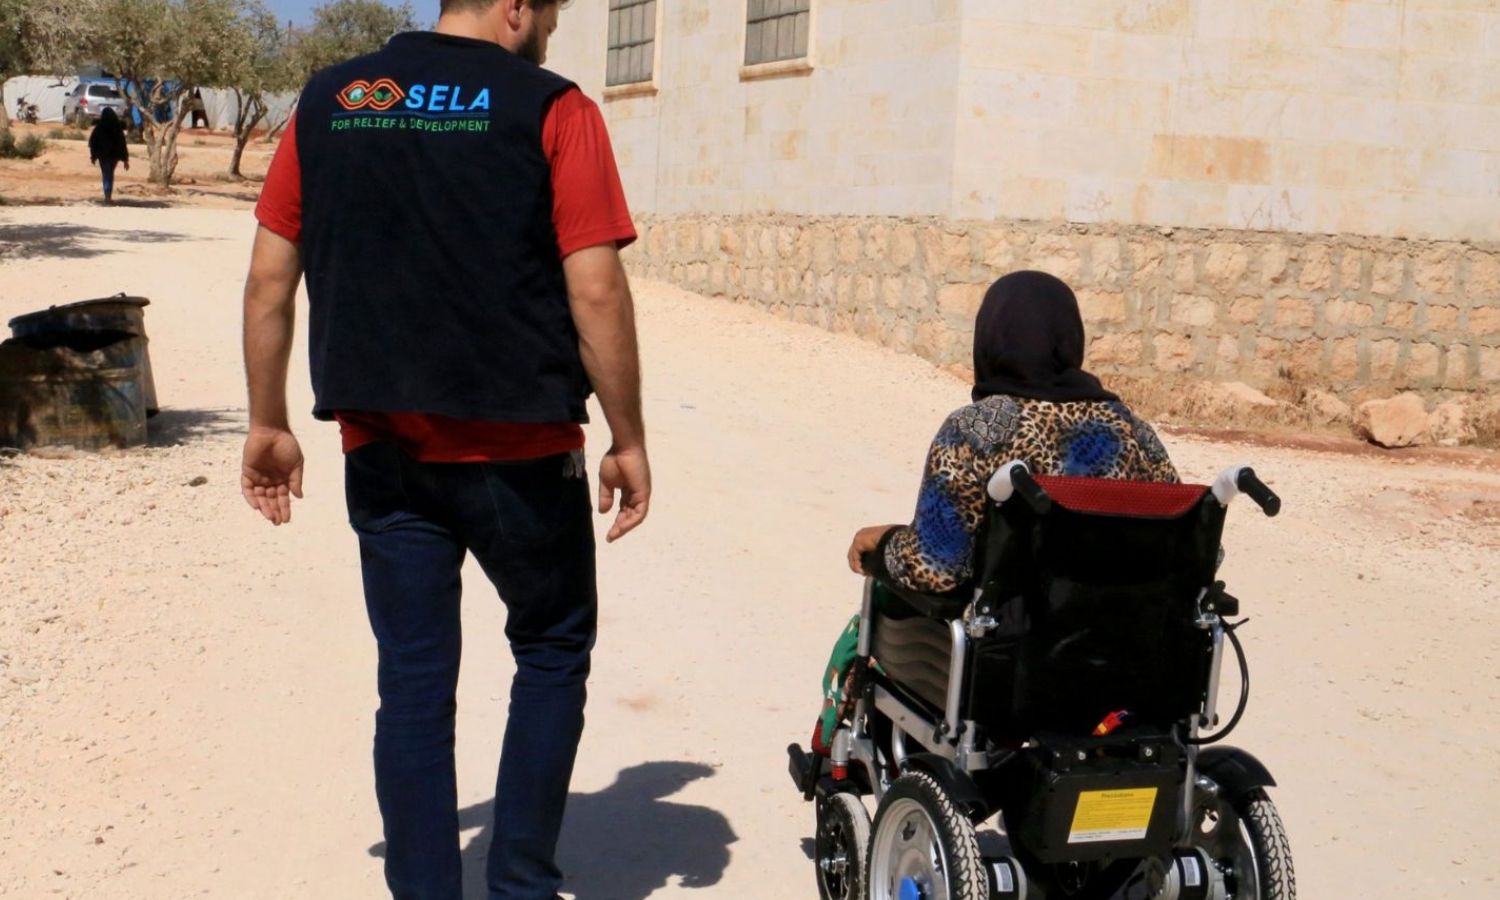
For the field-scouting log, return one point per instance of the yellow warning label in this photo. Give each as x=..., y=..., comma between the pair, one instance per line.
x=1112, y=815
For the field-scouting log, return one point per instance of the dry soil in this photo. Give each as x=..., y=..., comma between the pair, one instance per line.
x=186, y=693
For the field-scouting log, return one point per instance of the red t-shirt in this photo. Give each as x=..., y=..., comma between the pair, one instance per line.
x=588, y=209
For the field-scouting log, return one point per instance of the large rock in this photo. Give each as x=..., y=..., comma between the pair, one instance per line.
x=1400, y=421
x=1225, y=399
x=1451, y=425
x=1324, y=408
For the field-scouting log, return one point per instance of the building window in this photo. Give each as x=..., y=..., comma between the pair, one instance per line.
x=632, y=41
x=777, y=30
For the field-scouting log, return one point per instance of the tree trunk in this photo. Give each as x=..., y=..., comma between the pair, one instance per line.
x=240, y=140
x=240, y=112
x=276, y=129
x=247, y=116
x=169, y=155
x=161, y=137
x=4, y=105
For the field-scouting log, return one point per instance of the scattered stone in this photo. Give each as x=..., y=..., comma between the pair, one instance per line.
x=1225, y=400
x=1450, y=424
x=1324, y=408
x=62, y=451
x=1400, y=421
x=200, y=481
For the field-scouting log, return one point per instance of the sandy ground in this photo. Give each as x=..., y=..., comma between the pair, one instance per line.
x=186, y=694
x=63, y=174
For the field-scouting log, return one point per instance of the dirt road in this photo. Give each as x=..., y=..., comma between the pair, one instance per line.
x=186, y=694
x=62, y=175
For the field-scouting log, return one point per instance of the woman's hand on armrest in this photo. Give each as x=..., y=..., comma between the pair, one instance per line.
x=865, y=541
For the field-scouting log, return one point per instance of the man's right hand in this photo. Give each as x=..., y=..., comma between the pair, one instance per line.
x=272, y=473
x=629, y=472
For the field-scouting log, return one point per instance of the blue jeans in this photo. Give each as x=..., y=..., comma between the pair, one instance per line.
x=107, y=168
x=530, y=527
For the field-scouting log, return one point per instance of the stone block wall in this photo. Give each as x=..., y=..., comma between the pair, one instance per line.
x=1361, y=316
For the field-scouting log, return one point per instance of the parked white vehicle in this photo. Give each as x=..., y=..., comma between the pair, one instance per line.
x=88, y=100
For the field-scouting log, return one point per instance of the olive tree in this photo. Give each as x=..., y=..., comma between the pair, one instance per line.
x=341, y=29
x=38, y=37
x=263, y=64
x=159, y=51
x=344, y=29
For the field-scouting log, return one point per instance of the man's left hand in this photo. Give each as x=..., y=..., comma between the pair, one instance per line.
x=272, y=473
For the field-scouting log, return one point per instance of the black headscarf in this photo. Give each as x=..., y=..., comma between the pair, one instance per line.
x=1028, y=342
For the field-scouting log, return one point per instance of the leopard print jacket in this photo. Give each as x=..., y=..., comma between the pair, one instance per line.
x=1096, y=439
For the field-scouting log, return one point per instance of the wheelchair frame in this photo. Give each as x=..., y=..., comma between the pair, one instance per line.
x=953, y=736
x=955, y=751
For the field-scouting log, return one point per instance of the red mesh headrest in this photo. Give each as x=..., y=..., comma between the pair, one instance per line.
x=1103, y=496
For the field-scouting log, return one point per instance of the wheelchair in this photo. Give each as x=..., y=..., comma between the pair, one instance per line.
x=1068, y=695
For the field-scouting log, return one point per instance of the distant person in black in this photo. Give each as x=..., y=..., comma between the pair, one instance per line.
x=108, y=149
x=199, y=111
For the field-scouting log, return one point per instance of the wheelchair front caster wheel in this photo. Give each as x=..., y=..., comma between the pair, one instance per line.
x=843, y=831
x=923, y=847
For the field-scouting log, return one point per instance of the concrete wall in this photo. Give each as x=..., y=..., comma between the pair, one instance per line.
x=1335, y=116
x=1362, y=316
x=868, y=130
x=1281, y=192
x=1376, y=117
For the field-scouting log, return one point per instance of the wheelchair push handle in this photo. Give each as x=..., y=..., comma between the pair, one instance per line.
x=1033, y=493
x=1015, y=478
x=1243, y=480
x=1251, y=485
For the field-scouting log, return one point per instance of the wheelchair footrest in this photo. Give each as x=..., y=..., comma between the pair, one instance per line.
x=805, y=769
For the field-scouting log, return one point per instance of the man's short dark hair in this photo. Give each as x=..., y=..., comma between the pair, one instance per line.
x=447, y=6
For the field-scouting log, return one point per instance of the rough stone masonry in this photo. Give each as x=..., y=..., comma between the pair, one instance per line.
x=1362, y=317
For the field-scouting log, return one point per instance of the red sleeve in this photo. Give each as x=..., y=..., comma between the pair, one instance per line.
x=588, y=201
x=280, y=206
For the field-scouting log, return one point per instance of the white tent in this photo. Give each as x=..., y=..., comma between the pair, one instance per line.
x=46, y=91
x=221, y=107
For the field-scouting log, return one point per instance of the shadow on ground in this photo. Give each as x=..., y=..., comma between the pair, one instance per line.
x=624, y=842
x=52, y=241
x=130, y=203
x=176, y=427
x=243, y=196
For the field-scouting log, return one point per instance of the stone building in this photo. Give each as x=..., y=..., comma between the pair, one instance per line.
x=1303, y=191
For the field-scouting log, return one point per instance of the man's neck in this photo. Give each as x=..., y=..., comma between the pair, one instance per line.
x=468, y=25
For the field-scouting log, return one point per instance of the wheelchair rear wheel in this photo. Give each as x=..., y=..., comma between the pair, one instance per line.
x=843, y=833
x=1246, y=840
x=923, y=847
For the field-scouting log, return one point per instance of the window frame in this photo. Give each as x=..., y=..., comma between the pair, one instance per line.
x=649, y=85
x=796, y=65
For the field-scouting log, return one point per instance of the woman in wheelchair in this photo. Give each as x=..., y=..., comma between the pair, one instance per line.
x=1042, y=642
x=1033, y=402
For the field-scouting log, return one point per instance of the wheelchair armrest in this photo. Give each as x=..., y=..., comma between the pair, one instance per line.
x=933, y=606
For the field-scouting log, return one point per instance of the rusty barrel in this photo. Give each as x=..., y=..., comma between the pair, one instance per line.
x=115, y=326
x=54, y=396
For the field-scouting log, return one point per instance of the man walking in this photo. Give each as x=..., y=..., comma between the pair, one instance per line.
x=458, y=214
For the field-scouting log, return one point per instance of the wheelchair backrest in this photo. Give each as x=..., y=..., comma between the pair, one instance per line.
x=1096, y=604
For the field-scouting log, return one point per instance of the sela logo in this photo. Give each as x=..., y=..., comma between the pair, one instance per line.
x=379, y=96
x=383, y=94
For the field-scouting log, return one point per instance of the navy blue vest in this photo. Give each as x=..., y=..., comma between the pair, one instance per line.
x=432, y=263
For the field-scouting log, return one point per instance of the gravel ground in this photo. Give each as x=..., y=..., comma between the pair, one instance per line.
x=186, y=694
